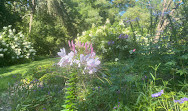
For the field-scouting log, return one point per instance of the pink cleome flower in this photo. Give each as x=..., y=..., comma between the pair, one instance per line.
x=134, y=50
x=89, y=61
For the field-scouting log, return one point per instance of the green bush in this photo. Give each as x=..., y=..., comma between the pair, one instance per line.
x=47, y=38
x=53, y=79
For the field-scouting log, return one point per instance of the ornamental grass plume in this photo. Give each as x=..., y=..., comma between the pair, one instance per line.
x=157, y=94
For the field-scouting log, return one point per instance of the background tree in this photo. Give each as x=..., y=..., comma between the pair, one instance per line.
x=8, y=13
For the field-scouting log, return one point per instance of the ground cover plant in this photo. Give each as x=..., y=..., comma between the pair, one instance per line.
x=98, y=55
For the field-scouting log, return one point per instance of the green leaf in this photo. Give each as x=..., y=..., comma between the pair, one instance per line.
x=70, y=92
x=152, y=76
x=181, y=71
x=72, y=84
x=154, y=103
x=127, y=108
x=69, y=106
x=70, y=96
x=184, y=57
x=100, y=79
x=171, y=63
x=65, y=110
x=109, y=82
x=69, y=88
x=64, y=106
x=138, y=99
x=67, y=101
x=72, y=79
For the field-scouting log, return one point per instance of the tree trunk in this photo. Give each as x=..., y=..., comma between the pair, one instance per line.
x=33, y=5
x=163, y=21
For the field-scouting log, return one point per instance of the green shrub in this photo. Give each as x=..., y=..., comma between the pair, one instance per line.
x=47, y=38
x=49, y=74
x=53, y=79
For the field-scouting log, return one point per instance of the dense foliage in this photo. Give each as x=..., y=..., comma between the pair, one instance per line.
x=141, y=48
x=110, y=41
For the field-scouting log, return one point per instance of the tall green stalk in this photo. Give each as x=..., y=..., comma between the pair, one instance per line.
x=71, y=93
x=134, y=36
x=174, y=33
x=141, y=29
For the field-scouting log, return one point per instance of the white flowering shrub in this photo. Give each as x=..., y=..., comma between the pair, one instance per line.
x=110, y=41
x=14, y=47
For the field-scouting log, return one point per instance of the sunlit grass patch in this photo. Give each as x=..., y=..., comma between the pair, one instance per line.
x=14, y=73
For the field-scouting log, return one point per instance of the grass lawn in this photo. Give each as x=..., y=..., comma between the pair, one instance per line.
x=128, y=86
x=9, y=75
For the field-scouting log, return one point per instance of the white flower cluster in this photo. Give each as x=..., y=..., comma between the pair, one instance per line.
x=121, y=23
x=107, y=21
x=14, y=46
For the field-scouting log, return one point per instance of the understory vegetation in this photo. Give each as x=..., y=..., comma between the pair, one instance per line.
x=96, y=55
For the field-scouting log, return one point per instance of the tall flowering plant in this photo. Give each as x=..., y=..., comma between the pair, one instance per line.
x=81, y=55
x=83, y=58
